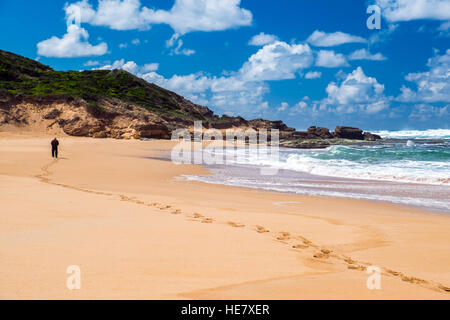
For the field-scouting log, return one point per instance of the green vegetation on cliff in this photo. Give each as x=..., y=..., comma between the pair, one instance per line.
x=23, y=77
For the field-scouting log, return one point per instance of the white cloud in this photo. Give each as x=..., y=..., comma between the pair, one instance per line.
x=444, y=29
x=383, y=34
x=73, y=44
x=115, y=14
x=277, y=61
x=91, y=63
x=406, y=10
x=123, y=45
x=262, y=39
x=313, y=75
x=135, y=41
x=130, y=66
x=231, y=95
x=283, y=107
x=150, y=67
x=178, y=50
x=432, y=85
x=363, y=54
x=185, y=15
x=205, y=15
x=357, y=92
x=425, y=112
x=330, y=59
x=322, y=39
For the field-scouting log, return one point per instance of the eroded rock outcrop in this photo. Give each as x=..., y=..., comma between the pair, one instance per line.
x=117, y=104
x=348, y=133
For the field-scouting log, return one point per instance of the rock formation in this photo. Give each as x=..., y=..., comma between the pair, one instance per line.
x=116, y=104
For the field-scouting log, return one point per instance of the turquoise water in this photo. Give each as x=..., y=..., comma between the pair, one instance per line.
x=423, y=161
x=413, y=169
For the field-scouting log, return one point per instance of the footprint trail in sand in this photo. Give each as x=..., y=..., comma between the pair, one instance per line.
x=306, y=246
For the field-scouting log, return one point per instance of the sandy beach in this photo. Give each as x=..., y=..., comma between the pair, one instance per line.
x=138, y=231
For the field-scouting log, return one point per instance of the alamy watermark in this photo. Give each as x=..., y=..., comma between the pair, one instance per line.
x=374, y=20
x=73, y=281
x=374, y=280
x=215, y=147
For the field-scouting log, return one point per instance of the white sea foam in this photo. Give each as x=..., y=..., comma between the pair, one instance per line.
x=415, y=134
x=411, y=171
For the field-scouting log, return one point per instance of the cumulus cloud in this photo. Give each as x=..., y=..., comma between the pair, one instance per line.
x=130, y=66
x=322, y=39
x=185, y=15
x=277, y=61
x=406, y=10
x=313, y=75
x=383, y=34
x=178, y=50
x=228, y=94
x=363, y=54
x=283, y=107
x=357, y=92
x=91, y=63
x=432, y=85
x=115, y=14
x=330, y=59
x=242, y=91
x=73, y=44
x=425, y=112
x=262, y=39
x=444, y=29
x=205, y=15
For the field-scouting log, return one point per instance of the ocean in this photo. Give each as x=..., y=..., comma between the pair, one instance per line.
x=412, y=168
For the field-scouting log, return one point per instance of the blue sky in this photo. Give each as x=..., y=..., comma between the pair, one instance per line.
x=304, y=62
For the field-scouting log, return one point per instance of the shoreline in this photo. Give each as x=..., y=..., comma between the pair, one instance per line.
x=314, y=185
x=156, y=238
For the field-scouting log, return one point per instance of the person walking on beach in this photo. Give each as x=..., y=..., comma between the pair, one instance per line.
x=55, y=144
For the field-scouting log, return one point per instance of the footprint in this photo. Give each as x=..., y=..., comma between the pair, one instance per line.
x=412, y=280
x=207, y=220
x=284, y=236
x=236, y=225
x=300, y=246
x=394, y=273
x=349, y=260
x=197, y=216
x=305, y=241
x=326, y=251
x=261, y=229
x=320, y=255
x=176, y=211
x=356, y=267
x=447, y=289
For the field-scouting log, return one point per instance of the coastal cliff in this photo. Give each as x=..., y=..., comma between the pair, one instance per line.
x=117, y=104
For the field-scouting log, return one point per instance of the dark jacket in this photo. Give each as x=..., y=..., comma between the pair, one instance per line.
x=55, y=143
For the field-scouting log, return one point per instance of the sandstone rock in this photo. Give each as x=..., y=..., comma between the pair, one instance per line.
x=348, y=133
x=155, y=131
x=371, y=137
x=53, y=114
x=319, y=132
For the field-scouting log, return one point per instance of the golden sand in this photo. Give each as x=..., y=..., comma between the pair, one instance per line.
x=136, y=232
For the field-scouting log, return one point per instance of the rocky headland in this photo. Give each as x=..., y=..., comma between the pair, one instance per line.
x=116, y=104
